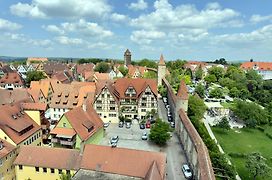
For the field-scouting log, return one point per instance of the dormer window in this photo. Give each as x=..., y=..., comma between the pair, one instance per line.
x=13, y=116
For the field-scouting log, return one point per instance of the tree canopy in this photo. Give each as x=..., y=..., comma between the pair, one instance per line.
x=200, y=90
x=159, y=132
x=102, y=67
x=91, y=60
x=150, y=75
x=123, y=70
x=34, y=76
x=147, y=63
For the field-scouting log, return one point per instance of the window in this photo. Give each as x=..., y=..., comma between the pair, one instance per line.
x=67, y=171
x=143, y=110
x=152, y=99
x=64, y=124
x=20, y=167
x=112, y=108
x=152, y=104
x=52, y=170
x=37, y=169
x=45, y=170
x=108, y=96
x=144, y=98
x=144, y=104
x=60, y=171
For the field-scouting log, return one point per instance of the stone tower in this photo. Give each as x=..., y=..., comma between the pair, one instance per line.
x=161, y=70
x=182, y=96
x=127, y=57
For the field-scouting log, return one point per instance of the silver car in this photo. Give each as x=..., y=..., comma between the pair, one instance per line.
x=187, y=171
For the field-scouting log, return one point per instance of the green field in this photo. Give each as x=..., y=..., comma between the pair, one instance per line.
x=245, y=141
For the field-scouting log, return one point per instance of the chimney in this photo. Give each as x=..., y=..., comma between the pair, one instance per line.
x=84, y=107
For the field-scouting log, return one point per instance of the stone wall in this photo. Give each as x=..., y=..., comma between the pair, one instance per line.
x=195, y=149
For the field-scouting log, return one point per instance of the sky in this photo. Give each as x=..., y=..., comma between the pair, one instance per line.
x=178, y=29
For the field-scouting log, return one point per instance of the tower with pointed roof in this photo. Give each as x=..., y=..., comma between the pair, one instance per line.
x=127, y=57
x=161, y=70
x=182, y=96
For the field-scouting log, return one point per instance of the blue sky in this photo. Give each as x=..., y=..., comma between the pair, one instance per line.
x=184, y=29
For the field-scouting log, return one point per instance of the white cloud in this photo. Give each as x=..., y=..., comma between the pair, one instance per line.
x=87, y=28
x=8, y=25
x=146, y=37
x=119, y=17
x=256, y=18
x=139, y=5
x=68, y=41
x=62, y=8
x=213, y=5
x=166, y=16
x=53, y=29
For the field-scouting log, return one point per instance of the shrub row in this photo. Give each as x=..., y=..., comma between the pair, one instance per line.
x=237, y=155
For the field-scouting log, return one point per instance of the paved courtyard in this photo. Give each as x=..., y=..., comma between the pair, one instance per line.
x=132, y=138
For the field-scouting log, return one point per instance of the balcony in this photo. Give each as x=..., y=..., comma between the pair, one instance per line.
x=63, y=136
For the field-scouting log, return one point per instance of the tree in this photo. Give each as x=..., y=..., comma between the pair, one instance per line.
x=102, y=67
x=187, y=79
x=223, y=123
x=218, y=72
x=34, y=76
x=199, y=73
x=91, y=60
x=196, y=107
x=200, y=90
x=159, y=132
x=210, y=78
x=234, y=92
x=256, y=165
x=150, y=75
x=216, y=93
x=147, y=63
x=162, y=90
x=65, y=176
x=123, y=70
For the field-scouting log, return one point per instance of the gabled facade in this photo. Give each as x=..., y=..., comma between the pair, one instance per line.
x=11, y=81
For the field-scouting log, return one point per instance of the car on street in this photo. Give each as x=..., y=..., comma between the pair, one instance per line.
x=113, y=144
x=147, y=125
x=106, y=125
x=128, y=125
x=121, y=124
x=172, y=124
x=142, y=126
x=170, y=119
x=114, y=139
x=187, y=171
x=144, y=136
x=164, y=99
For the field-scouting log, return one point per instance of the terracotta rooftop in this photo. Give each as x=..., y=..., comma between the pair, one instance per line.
x=183, y=91
x=81, y=68
x=54, y=66
x=34, y=106
x=12, y=78
x=8, y=96
x=101, y=76
x=16, y=124
x=129, y=162
x=44, y=85
x=261, y=66
x=67, y=132
x=7, y=148
x=161, y=62
x=139, y=84
x=63, y=76
x=132, y=69
x=85, y=123
x=58, y=158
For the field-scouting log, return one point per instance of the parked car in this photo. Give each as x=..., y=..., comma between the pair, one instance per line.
x=187, y=171
x=167, y=106
x=121, y=124
x=144, y=136
x=170, y=119
x=172, y=124
x=106, y=125
x=113, y=144
x=142, y=126
x=164, y=99
x=114, y=139
x=147, y=125
x=128, y=125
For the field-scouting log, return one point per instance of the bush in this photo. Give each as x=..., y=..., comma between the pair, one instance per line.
x=268, y=135
x=260, y=128
x=237, y=155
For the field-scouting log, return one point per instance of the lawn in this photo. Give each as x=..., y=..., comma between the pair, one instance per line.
x=245, y=141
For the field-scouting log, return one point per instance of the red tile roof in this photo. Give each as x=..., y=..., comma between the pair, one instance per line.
x=7, y=148
x=58, y=158
x=129, y=162
x=68, y=132
x=183, y=91
x=263, y=66
x=81, y=120
x=15, y=127
x=12, y=78
x=8, y=96
x=34, y=106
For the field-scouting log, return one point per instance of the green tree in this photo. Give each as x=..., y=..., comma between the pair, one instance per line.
x=147, y=63
x=91, y=60
x=224, y=124
x=123, y=70
x=150, y=75
x=65, y=176
x=256, y=165
x=159, y=132
x=200, y=90
x=162, y=90
x=210, y=78
x=234, y=92
x=196, y=107
x=102, y=67
x=186, y=78
x=199, y=73
x=216, y=93
x=34, y=76
x=218, y=72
